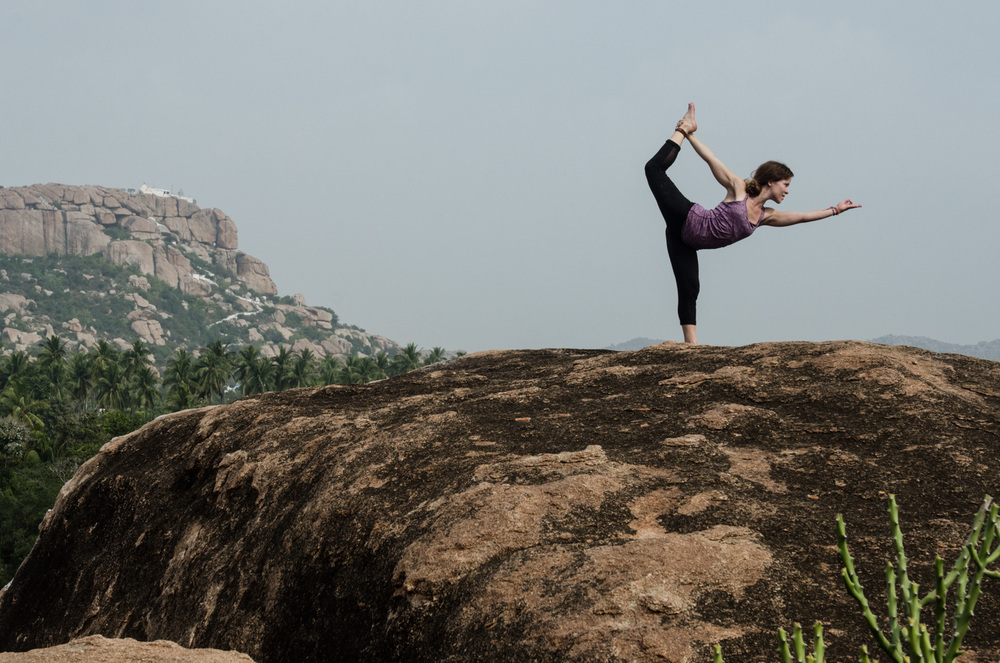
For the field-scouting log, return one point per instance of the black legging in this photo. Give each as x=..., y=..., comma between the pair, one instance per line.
x=674, y=207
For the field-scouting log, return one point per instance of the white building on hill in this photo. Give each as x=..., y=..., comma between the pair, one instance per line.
x=163, y=193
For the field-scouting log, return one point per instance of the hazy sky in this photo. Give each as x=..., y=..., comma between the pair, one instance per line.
x=469, y=174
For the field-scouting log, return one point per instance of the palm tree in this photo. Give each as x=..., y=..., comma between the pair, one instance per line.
x=258, y=377
x=370, y=369
x=407, y=360
x=436, y=355
x=180, y=382
x=16, y=401
x=303, y=369
x=52, y=361
x=112, y=387
x=352, y=372
x=251, y=371
x=212, y=370
x=101, y=356
x=144, y=388
x=15, y=365
x=136, y=358
x=384, y=363
x=330, y=370
x=282, y=368
x=80, y=378
x=245, y=358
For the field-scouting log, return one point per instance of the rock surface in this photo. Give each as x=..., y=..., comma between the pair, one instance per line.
x=545, y=505
x=97, y=649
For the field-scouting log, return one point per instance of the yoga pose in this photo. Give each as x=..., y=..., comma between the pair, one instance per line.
x=691, y=227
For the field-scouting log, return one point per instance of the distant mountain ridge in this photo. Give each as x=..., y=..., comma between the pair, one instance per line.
x=635, y=344
x=88, y=263
x=984, y=349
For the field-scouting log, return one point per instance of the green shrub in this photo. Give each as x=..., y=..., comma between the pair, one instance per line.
x=908, y=638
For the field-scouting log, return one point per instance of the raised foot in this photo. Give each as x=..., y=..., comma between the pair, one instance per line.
x=688, y=123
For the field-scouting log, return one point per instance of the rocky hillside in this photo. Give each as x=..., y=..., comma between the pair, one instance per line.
x=546, y=505
x=88, y=262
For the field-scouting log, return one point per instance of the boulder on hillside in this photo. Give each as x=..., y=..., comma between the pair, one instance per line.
x=141, y=228
x=22, y=231
x=255, y=274
x=129, y=252
x=171, y=266
x=83, y=236
x=13, y=301
x=226, y=233
x=546, y=505
x=193, y=284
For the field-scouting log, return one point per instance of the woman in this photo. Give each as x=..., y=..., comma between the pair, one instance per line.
x=691, y=227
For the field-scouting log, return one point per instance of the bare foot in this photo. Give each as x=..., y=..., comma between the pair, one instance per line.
x=687, y=123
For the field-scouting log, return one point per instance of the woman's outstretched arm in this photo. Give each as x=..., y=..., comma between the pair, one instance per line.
x=778, y=219
x=733, y=183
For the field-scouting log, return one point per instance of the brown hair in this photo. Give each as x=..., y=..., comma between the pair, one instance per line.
x=767, y=172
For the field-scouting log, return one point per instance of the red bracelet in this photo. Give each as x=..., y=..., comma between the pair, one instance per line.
x=835, y=210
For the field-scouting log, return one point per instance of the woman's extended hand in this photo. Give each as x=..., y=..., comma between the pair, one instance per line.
x=846, y=205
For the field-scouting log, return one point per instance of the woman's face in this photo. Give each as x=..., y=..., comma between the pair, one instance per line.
x=779, y=190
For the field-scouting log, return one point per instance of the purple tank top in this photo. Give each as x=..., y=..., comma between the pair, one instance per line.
x=715, y=228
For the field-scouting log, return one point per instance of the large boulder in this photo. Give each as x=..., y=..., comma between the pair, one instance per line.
x=546, y=505
x=130, y=252
x=203, y=226
x=255, y=274
x=83, y=236
x=22, y=232
x=171, y=266
x=227, y=234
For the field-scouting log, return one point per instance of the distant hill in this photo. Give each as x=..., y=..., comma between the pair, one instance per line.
x=634, y=344
x=90, y=263
x=984, y=349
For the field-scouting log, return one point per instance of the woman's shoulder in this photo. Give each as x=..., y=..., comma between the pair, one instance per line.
x=737, y=191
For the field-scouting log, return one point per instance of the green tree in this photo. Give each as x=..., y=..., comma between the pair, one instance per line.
x=145, y=392
x=52, y=361
x=15, y=366
x=101, y=356
x=179, y=380
x=16, y=400
x=355, y=371
x=407, y=360
x=112, y=387
x=15, y=441
x=303, y=369
x=384, y=363
x=136, y=358
x=30, y=491
x=436, y=355
x=80, y=379
x=330, y=370
x=282, y=363
x=370, y=369
x=253, y=371
x=212, y=370
x=351, y=372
